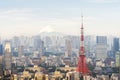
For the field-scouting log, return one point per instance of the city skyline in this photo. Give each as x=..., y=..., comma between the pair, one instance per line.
x=28, y=17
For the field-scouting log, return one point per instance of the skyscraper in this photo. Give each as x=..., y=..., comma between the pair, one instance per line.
x=20, y=51
x=7, y=56
x=1, y=49
x=39, y=45
x=68, y=47
x=115, y=45
x=1, y=59
x=101, y=47
x=101, y=40
x=15, y=42
x=47, y=41
x=37, y=41
x=89, y=45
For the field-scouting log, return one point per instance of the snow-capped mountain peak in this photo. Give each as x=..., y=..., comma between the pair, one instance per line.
x=47, y=29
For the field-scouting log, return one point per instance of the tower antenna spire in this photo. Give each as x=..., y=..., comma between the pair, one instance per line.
x=82, y=19
x=82, y=38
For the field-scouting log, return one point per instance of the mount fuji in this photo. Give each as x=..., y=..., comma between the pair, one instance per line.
x=49, y=31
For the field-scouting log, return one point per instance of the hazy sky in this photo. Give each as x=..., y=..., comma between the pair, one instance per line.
x=19, y=17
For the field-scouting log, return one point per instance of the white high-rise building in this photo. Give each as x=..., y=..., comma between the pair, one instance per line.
x=7, y=56
x=101, y=47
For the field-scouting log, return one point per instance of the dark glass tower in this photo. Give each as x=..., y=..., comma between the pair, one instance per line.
x=116, y=45
x=1, y=59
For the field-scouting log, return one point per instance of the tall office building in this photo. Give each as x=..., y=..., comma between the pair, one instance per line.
x=15, y=42
x=75, y=42
x=37, y=41
x=1, y=59
x=101, y=47
x=7, y=56
x=39, y=45
x=68, y=48
x=89, y=45
x=47, y=41
x=115, y=45
x=1, y=49
x=117, y=59
x=1, y=66
x=101, y=40
x=20, y=51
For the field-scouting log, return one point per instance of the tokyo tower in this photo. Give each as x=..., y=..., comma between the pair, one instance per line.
x=82, y=67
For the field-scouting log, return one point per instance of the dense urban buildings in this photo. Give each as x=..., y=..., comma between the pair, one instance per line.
x=36, y=57
x=45, y=40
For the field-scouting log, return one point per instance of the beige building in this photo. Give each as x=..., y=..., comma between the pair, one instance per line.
x=7, y=56
x=67, y=68
x=56, y=75
x=41, y=76
x=35, y=68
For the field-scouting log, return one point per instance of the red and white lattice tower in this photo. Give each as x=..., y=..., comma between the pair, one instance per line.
x=82, y=67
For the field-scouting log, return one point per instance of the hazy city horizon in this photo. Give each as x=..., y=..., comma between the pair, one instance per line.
x=101, y=17
x=49, y=30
